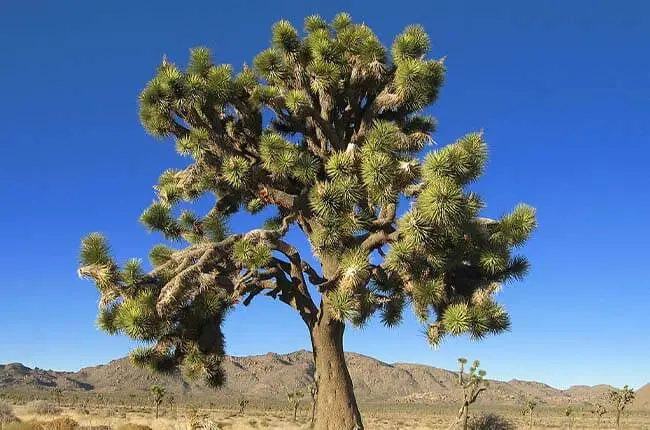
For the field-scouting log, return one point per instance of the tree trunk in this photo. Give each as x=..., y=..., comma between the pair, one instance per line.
x=336, y=406
x=531, y=420
x=465, y=415
x=157, y=408
x=618, y=419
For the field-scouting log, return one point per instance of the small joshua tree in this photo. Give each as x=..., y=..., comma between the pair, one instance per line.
x=242, y=406
x=620, y=399
x=599, y=410
x=58, y=396
x=158, y=393
x=529, y=410
x=294, y=399
x=567, y=413
x=313, y=393
x=171, y=401
x=472, y=385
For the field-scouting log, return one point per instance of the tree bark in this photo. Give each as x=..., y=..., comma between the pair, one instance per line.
x=336, y=406
x=465, y=415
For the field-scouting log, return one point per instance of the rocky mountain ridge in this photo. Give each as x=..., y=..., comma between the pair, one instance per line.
x=272, y=375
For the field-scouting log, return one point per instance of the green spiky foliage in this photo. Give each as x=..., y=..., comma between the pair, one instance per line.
x=472, y=383
x=619, y=400
x=328, y=128
x=157, y=393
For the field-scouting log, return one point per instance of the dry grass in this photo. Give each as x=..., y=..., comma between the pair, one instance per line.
x=42, y=407
x=389, y=417
x=6, y=413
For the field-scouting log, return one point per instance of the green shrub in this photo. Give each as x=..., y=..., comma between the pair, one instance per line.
x=490, y=422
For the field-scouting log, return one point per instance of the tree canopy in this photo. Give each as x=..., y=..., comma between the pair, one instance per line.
x=327, y=128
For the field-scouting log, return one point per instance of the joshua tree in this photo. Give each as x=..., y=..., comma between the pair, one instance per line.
x=599, y=410
x=472, y=384
x=529, y=410
x=242, y=405
x=171, y=401
x=619, y=400
x=294, y=399
x=313, y=393
x=58, y=396
x=325, y=131
x=567, y=413
x=158, y=393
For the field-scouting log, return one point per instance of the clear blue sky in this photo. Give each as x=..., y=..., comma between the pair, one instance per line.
x=562, y=89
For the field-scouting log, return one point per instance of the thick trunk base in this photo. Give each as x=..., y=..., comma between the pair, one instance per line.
x=336, y=406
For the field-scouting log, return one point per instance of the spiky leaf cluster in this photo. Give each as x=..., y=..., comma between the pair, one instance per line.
x=133, y=301
x=621, y=398
x=326, y=127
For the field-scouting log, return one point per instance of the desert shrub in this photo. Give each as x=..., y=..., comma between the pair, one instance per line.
x=490, y=422
x=131, y=426
x=42, y=407
x=63, y=423
x=6, y=413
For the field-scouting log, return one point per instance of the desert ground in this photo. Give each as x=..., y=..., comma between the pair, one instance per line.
x=384, y=417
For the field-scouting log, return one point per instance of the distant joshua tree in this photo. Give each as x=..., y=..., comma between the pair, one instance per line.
x=568, y=412
x=158, y=394
x=472, y=384
x=313, y=392
x=529, y=409
x=620, y=399
x=294, y=399
x=171, y=401
x=599, y=410
x=242, y=406
x=58, y=396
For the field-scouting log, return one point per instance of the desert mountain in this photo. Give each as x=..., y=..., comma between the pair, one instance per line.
x=273, y=375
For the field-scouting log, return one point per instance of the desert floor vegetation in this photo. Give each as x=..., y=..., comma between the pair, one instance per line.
x=378, y=416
